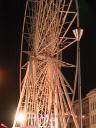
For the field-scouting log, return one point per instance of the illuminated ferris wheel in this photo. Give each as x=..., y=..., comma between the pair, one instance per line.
x=48, y=64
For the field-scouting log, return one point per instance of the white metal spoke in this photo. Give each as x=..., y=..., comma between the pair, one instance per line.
x=66, y=46
x=65, y=64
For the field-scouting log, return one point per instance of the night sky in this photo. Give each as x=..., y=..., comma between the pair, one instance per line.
x=11, y=19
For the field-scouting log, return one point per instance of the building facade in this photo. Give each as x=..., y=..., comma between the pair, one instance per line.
x=92, y=108
x=88, y=110
x=85, y=111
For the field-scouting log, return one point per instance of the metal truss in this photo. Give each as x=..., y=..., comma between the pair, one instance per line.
x=46, y=93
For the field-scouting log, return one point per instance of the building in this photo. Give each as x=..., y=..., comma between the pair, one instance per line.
x=92, y=108
x=85, y=111
x=88, y=110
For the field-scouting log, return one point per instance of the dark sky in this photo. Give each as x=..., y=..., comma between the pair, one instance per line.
x=11, y=18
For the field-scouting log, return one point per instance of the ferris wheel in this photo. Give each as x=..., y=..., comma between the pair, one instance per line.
x=48, y=64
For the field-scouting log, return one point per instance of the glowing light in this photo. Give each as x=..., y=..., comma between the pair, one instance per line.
x=3, y=125
x=83, y=116
x=20, y=117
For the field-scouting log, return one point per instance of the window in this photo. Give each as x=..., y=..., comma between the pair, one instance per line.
x=91, y=120
x=91, y=106
x=95, y=105
x=95, y=119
